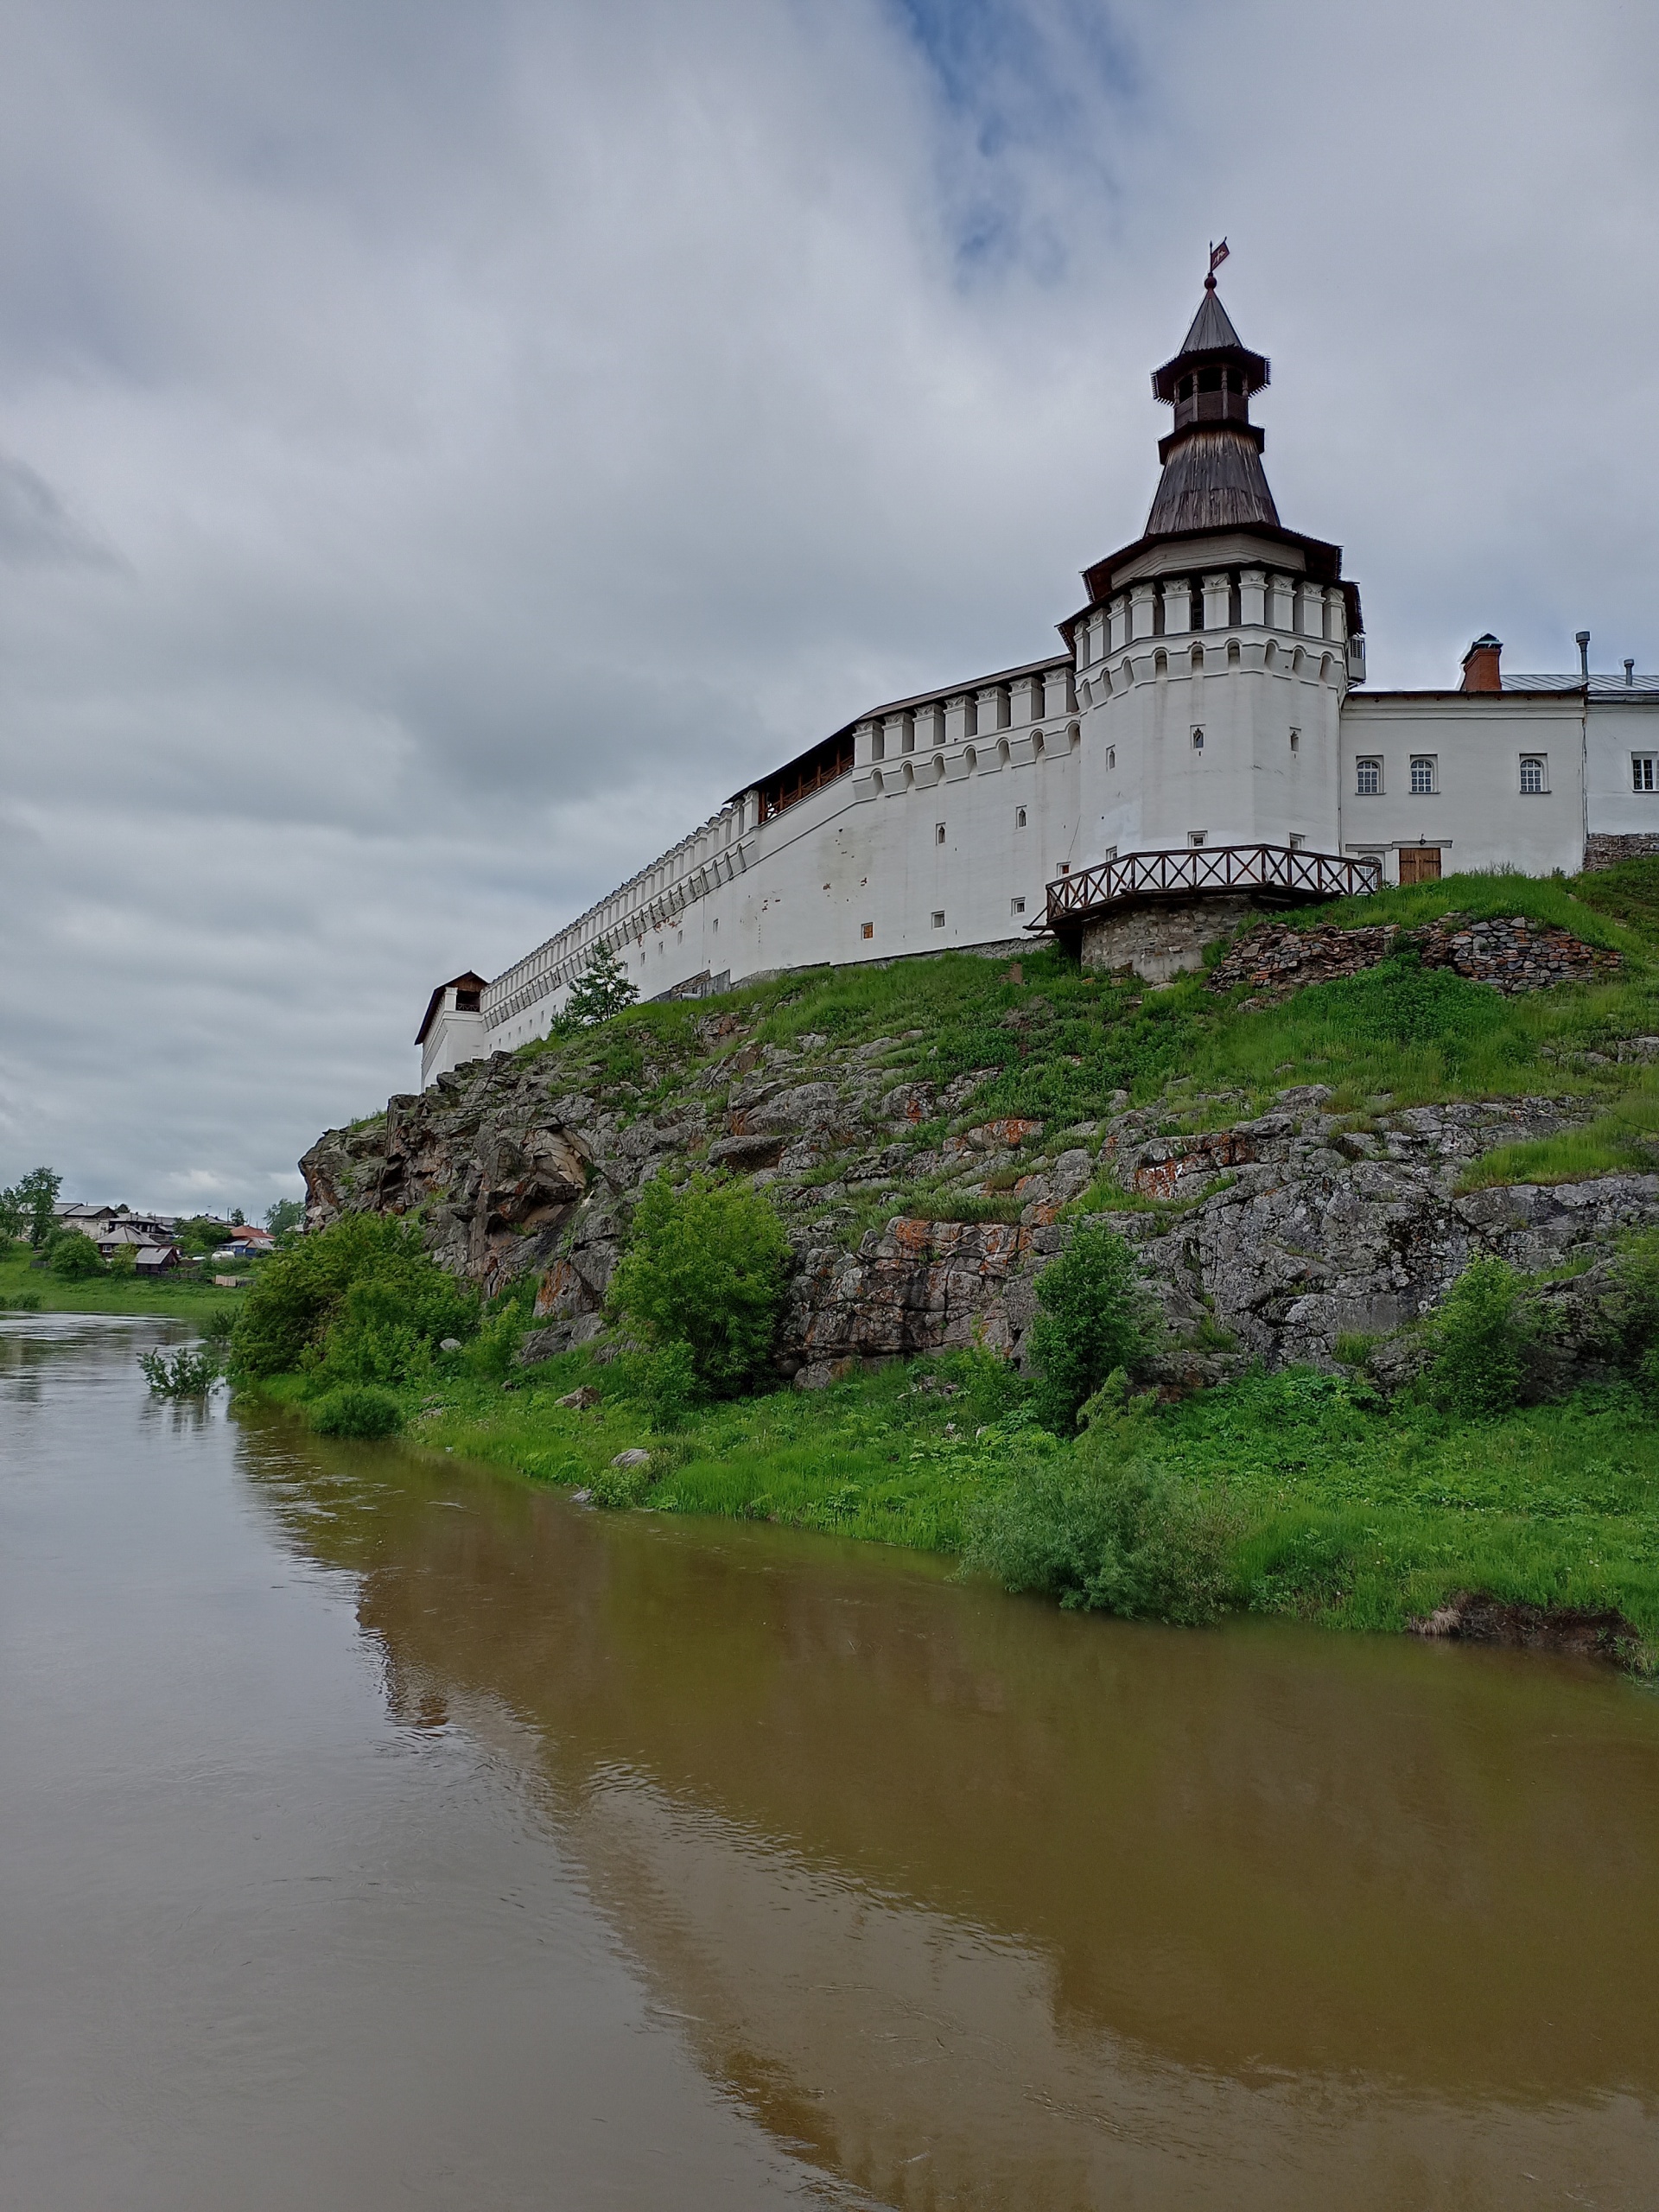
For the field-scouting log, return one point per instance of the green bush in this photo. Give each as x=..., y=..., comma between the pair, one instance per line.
x=1102, y=1529
x=356, y=1409
x=360, y=1302
x=1093, y=1315
x=74, y=1257
x=1485, y=1336
x=706, y=1267
x=190, y=1373
x=25, y=1301
x=622, y=1487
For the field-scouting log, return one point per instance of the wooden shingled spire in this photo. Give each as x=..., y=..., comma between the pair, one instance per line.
x=1213, y=477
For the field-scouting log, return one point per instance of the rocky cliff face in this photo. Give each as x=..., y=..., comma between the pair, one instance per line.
x=1281, y=1232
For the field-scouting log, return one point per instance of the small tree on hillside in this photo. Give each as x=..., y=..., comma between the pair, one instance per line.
x=706, y=1267
x=1094, y=1317
x=601, y=990
x=12, y=1214
x=38, y=1192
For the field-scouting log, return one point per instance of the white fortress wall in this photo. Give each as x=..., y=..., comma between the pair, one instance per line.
x=1205, y=698
x=958, y=808
x=1623, y=735
x=1465, y=752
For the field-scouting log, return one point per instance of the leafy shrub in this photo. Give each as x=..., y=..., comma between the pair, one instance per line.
x=26, y=1301
x=1093, y=1317
x=75, y=1257
x=670, y=1387
x=190, y=1373
x=490, y=1354
x=1104, y=1530
x=356, y=1409
x=1634, y=1310
x=361, y=1302
x=1484, y=1338
x=622, y=1487
x=706, y=1269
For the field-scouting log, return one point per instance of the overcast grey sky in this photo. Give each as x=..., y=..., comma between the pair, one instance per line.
x=445, y=449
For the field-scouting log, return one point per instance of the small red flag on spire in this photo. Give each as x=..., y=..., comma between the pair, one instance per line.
x=1217, y=255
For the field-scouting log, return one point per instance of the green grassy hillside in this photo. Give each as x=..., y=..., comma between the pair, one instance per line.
x=1315, y=1496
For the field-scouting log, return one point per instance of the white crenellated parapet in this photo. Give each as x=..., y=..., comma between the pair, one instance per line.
x=1026, y=699
x=1118, y=633
x=1217, y=600
x=1282, y=601
x=992, y=709
x=1253, y=597
x=1143, y=611
x=1178, y=605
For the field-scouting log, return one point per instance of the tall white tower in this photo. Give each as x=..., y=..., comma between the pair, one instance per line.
x=1212, y=660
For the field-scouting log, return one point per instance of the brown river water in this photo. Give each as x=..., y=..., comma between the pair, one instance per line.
x=375, y=1832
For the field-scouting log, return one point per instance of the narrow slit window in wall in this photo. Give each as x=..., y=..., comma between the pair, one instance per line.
x=939, y=918
x=867, y=930
x=938, y=833
x=1111, y=756
x=1295, y=741
x=1197, y=740
x=1196, y=837
x=1018, y=817
x=1016, y=906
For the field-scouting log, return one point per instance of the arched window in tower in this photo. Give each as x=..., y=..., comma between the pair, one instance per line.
x=1295, y=741
x=1534, y=782
x=1368, y=780
x=1198, y=739
x=1422, y=776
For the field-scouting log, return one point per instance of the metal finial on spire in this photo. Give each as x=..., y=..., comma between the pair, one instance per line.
x=1217, y=255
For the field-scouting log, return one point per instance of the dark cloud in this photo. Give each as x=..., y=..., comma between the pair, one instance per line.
x=447, y=449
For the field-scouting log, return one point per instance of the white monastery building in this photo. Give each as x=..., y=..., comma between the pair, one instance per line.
x=1199, y=745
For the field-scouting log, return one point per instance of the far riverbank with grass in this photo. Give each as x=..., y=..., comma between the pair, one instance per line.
x=176, y=1296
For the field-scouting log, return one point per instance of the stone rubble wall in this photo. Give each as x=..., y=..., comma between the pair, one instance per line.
x=1515, y=955
x=1283, y=1231
x=1607, y=851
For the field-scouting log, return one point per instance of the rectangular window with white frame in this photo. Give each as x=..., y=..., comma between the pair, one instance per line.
x=1424, y=779
x=1367, y=779
x=1534, y=775
x=1644, y=771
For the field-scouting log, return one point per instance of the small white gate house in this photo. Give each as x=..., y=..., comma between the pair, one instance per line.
x=1201, y=745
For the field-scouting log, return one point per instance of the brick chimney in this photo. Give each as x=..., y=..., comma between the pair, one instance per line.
x=1480, y=666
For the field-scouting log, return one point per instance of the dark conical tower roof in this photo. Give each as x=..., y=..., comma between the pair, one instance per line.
x=1213, y=327
x=1213, y=477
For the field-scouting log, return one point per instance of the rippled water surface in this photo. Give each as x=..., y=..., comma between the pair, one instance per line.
x=374, y=1833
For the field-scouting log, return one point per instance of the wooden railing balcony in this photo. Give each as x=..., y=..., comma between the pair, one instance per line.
x=1284, y=874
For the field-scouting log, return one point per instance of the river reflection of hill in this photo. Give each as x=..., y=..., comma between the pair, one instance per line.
x=979, y=1904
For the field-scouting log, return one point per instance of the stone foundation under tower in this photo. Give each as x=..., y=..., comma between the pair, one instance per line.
x=1159, y=942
